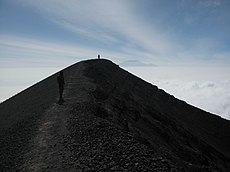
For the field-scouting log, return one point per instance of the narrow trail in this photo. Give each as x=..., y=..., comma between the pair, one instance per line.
x=47, y=149
x=75, y=136
x=110, y=121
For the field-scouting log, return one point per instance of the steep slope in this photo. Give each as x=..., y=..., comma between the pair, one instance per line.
x=20, y=117
x=111, y=121
x=71, y=136
x=196, y=137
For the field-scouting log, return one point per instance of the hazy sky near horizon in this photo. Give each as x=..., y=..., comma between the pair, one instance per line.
x=38, y=38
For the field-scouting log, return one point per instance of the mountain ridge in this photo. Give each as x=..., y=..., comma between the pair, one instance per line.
x=185, y=137
x=195, y=120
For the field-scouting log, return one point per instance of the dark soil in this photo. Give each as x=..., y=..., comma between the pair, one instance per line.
x=101, y=146
x=110, y=121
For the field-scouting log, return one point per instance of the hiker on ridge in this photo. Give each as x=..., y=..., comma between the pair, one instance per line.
x=61, y=83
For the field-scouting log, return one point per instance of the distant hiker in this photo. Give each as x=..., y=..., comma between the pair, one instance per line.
x=61, y=83
x=98, y=56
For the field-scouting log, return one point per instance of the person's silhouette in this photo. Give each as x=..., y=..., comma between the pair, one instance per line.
x=98, y=56
x=61, y=83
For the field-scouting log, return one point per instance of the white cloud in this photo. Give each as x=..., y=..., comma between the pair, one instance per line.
x=205, y=87
x=111, y=23
x=213, y=97
x=21, y=51
x=119, y=25
x=108, y=22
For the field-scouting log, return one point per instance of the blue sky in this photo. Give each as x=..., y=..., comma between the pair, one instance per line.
x=180, y=32
x=48, y=35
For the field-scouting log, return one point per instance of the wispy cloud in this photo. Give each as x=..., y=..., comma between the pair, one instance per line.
x=115, y=23
x=118, y=26
x=179, y=33
x=21, y=51
x=33, y=52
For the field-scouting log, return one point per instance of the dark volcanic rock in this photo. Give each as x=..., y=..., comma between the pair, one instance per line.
x=191, y=136
x=110, y=121
x=104, y=146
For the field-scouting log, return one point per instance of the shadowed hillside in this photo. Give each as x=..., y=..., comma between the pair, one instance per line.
x=111, y=120
x=20, y=117
x=193, y=135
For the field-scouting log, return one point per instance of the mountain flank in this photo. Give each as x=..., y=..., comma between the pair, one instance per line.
x=111, y=120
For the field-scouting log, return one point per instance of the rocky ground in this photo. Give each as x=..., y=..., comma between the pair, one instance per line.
x=75, y=137
x=103, y=125
x=101, y=146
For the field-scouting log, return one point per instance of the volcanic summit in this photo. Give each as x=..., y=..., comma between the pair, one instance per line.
x=111, y=120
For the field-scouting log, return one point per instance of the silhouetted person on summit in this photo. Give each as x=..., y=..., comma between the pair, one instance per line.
x=98, y=56
x=61, y=83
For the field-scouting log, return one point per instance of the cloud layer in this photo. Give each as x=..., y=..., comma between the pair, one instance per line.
x=213, y=97
x=57, y=33
x=207, y=88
